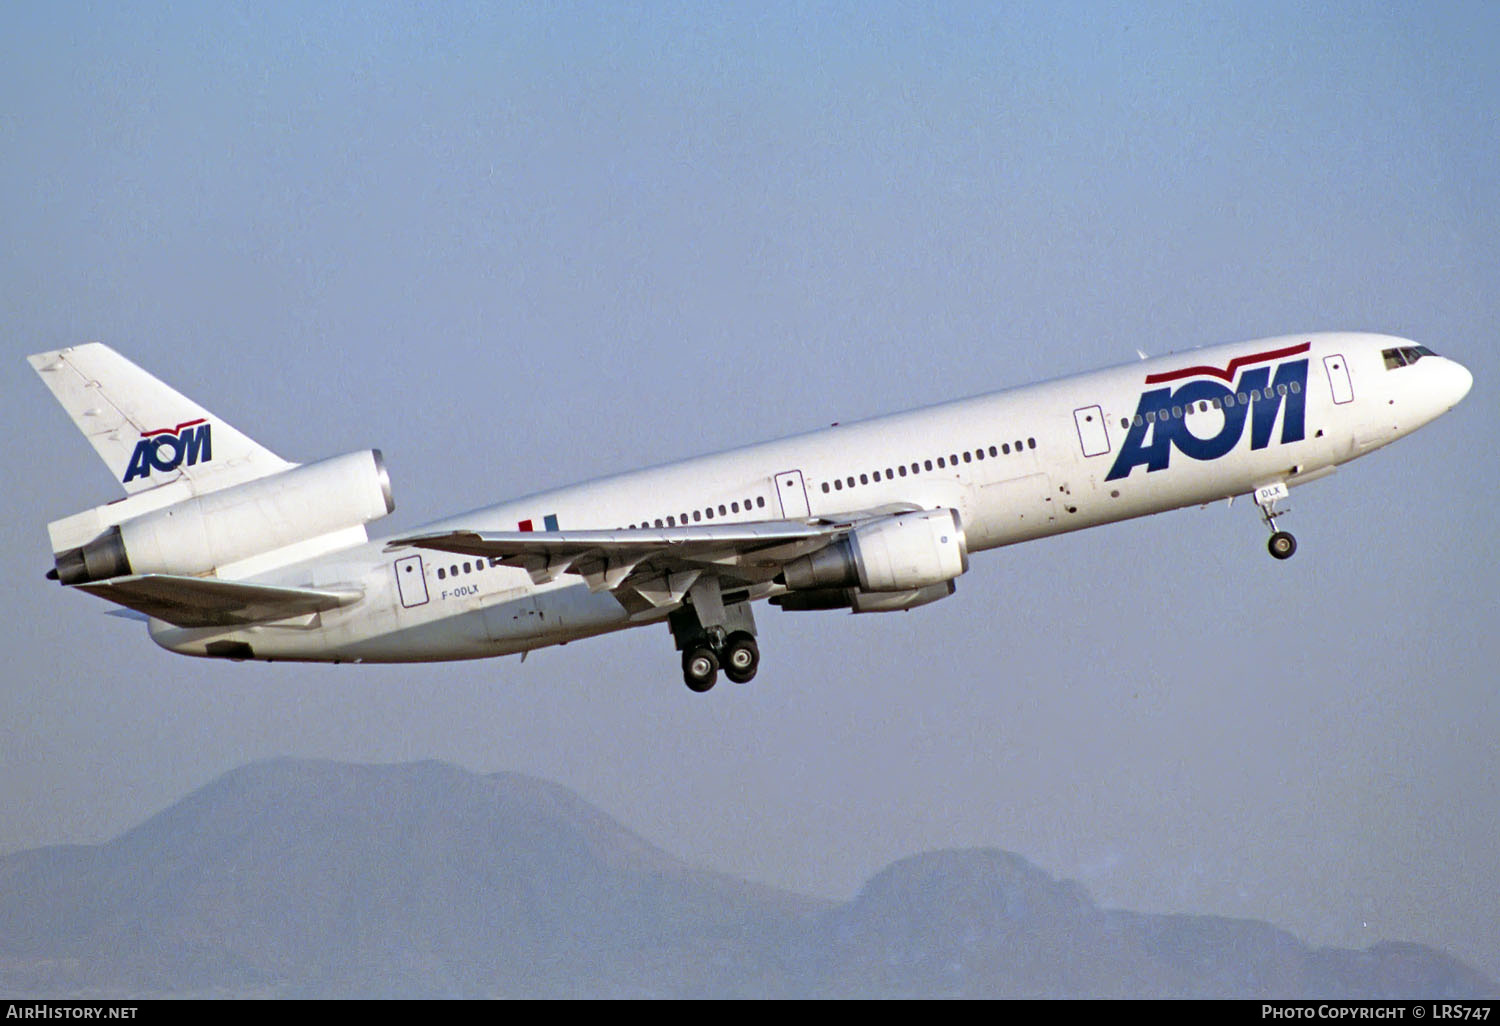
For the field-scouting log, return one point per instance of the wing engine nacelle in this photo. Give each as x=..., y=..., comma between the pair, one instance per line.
x=863, y=601
x=210, y=531
x=900, y=553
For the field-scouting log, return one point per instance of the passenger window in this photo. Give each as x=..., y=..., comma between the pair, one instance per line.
x=864, y=479
x=1281, y=390
x=927, y=464
x=825, y=487
x=721, y=505
x=953, y=459
x=441, y=574
x=1031, y=443
x=979, y=454
x=889, y=473
x=851, y=480
x=760, y=500
x=839, y=484
x=916, y=468
x=994, y=451
x=968, y=457
x=697, y=516
x=671, y=521
x=1177, y=413
x=1005, y=448
x=1139, y=420
x=940, y=463
x=1296, y=387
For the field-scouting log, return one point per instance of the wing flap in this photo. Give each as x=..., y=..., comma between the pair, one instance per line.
x=648, y=569
x=743, y=553
x=206, y=602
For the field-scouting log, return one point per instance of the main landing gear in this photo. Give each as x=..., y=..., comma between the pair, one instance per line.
x=1282, y=545
x=737, y=655
x=726, y=643
x=700, y=668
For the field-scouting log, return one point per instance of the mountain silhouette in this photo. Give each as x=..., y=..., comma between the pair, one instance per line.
x=302, y=878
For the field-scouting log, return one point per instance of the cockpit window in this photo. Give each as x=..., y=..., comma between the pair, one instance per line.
x=1405, y=356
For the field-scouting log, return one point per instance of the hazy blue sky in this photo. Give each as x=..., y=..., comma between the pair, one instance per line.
x=517, y=248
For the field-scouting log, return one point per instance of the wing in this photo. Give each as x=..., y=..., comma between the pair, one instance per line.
x=203, y=602
x=647, y=568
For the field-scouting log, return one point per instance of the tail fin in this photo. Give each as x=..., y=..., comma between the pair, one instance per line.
x=147, y=433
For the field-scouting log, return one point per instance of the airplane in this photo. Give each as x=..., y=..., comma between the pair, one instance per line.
x=232, y=552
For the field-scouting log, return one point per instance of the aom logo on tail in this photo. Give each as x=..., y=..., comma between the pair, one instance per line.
x=167, y=449
x=1168, y=418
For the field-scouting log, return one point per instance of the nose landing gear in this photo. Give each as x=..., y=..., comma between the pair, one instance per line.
x=1282, y=545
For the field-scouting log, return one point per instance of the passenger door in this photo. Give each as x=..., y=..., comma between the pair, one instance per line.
x=1092, y=434
x=793, y=494
x=411, y=581
x=1338, y=378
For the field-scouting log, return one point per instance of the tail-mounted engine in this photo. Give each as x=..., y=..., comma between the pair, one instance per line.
x=202, y=534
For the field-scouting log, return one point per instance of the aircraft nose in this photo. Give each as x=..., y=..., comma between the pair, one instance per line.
x=1459, y=382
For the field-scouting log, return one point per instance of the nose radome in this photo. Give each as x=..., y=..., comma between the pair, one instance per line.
x=1462, y=381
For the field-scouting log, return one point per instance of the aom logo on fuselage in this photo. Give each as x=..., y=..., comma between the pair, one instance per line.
x=167, y=449
x=1165, y=418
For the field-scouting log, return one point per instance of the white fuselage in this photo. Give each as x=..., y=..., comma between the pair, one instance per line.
x=1017, y=464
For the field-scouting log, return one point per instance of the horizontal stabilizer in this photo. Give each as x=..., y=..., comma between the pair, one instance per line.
x=206, y=602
